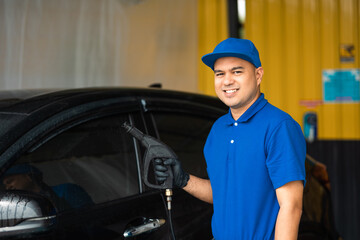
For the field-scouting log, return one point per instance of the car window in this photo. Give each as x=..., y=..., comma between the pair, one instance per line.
x=186, y=134
x=93, y=162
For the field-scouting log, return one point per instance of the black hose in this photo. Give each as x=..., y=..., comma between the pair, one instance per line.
x=171, y=225
x=168, y=212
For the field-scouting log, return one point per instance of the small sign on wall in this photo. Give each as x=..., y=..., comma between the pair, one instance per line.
x=341, y=85
x=347, y=53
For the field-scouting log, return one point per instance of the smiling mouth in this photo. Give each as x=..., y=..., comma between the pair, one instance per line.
x=230, y=90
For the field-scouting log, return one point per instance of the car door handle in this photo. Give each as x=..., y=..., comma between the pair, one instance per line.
x=147, y=226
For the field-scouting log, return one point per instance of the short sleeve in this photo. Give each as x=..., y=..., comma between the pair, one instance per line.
x=286, y=153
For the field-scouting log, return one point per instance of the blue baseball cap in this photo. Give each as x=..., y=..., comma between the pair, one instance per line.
x=233, y=47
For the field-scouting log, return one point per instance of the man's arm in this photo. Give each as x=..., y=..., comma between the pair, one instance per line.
x=290, y=198
x=199, y=188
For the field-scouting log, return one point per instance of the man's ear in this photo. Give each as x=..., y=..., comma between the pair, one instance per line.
x=259, y=72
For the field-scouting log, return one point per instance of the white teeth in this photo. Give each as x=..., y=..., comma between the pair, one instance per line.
x=230, y=91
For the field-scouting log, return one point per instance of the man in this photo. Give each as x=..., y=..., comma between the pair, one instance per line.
x=255, y=154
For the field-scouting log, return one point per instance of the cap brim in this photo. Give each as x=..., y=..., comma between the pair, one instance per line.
x=210, y=58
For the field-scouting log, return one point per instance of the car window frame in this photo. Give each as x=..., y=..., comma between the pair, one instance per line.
x=56, y=124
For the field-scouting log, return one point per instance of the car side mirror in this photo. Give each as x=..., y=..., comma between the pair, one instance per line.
x=25, y=213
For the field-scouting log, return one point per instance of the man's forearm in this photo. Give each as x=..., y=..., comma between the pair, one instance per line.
x=287, y=223
x=290, y=201
x=199, y=188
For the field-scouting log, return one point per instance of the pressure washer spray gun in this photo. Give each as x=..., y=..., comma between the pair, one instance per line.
x=155, y=149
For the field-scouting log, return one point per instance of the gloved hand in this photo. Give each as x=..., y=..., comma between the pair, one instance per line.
x=180, y=176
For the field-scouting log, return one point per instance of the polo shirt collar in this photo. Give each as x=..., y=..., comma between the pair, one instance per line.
x=251, y=111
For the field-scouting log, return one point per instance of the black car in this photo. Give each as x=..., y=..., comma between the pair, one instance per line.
x=84, y=172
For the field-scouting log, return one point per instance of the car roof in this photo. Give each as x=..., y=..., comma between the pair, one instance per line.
x=9, y=97
x=21, y=110
x=27, y=101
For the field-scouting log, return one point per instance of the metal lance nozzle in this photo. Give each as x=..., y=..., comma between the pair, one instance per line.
x=168, y=194
x=134, y=132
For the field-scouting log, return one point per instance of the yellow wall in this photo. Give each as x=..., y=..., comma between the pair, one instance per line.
x=297, y=40
x=213, y=28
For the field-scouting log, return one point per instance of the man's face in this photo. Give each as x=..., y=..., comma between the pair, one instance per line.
x=18, y=182
x=237, y=83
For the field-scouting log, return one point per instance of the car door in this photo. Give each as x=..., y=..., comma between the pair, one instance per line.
x=90, y=170
x=184, y=125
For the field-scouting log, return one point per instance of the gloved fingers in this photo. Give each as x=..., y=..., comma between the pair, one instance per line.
x=169, y=161
x=161, y=174
x=158, y=161
x=161, y=179
x=160, y=168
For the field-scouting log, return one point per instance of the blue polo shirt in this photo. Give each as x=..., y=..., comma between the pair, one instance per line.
x=247, y=160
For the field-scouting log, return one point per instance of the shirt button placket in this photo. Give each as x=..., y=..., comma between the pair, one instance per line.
x=232, y=140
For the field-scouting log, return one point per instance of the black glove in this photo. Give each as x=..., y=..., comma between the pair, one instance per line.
x=180, y=176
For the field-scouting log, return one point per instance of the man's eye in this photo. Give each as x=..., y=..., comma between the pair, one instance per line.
x=219, y=74
x=237, y=72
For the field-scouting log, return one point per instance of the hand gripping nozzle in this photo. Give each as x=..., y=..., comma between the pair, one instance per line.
x=155, y=149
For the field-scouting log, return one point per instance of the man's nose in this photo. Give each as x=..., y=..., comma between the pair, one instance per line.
x=228, y=80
